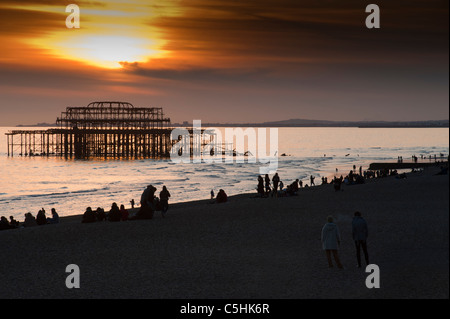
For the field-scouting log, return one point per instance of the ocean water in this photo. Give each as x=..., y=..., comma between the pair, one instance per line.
x=27, y=184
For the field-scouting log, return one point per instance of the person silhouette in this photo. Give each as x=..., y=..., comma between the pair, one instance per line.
x=330, y=242
x=360, y=233
x=164, y=200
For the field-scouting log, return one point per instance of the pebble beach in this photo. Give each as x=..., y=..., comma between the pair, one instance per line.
x=249, y=247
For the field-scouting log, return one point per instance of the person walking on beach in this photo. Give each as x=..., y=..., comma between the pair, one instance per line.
x=360, y=233
x=267, y=181
x=312, y=180
x=275, y=181
x=164, y=200
x=260, y=186
x=330, y=241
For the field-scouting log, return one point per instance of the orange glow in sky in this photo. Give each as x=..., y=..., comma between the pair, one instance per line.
x=110, y=34
x=226, y=60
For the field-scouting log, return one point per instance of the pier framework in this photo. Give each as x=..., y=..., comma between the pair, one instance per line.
x=101, y=129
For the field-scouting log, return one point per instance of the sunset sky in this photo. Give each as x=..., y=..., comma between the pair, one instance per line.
x=227, y=61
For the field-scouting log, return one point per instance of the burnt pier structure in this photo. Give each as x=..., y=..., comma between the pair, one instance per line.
x=99, y=130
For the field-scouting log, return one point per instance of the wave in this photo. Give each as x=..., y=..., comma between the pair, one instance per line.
x=59, y=194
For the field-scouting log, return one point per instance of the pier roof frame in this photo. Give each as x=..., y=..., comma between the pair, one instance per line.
x=113, y=115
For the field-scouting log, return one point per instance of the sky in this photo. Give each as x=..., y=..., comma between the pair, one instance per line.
x=233, y=61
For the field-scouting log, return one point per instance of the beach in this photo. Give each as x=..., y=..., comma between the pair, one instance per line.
x=249, y=247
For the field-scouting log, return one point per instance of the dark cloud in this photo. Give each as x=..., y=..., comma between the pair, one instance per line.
x=62, y=3
x=197, y=74
x=305, y=28
x=17, y=22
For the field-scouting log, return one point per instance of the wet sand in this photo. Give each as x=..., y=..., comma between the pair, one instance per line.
x=246, y=248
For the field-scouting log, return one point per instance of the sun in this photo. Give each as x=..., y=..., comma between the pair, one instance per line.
x=110, y=34
x=108, y=51
x=104, y=51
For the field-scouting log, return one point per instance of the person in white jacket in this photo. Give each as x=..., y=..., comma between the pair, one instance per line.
x=330, y=241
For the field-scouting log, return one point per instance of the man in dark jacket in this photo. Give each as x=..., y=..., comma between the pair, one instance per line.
x=360, y=233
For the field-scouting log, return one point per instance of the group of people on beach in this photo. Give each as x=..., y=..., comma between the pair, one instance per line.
x=331, y=240
x=30, y=220
x=275, y=187
x=149, y=204
x=115, y=214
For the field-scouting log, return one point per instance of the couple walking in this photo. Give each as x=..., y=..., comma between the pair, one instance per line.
x=331, y=239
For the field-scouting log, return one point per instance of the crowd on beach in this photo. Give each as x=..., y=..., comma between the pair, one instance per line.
x=30, y=220
x=274, y=187
x=150, y=203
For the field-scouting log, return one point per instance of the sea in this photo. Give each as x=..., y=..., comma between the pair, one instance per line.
x=28, y=184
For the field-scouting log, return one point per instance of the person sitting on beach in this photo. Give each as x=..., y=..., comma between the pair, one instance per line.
x=30, y=220
x=89, y=216
x=114, y=214
x=147, y=208
x=164, y=200
x=54, y=219
x=14, y=223
x=144, y=212
x=123, y=213
x=221, y=197
x=4, y=223
x=148, y=197
x=337, y=184
x=40, y=217
x=295, y=186
x=100, y=214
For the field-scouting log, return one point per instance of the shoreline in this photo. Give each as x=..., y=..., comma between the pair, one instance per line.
x=183, y=204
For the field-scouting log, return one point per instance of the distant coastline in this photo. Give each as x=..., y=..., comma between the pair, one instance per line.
x=321, y=123
x=308, y=123
x=37, y=125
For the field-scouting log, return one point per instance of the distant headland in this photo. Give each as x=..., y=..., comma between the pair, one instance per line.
x=323, y=123
x=37, y=125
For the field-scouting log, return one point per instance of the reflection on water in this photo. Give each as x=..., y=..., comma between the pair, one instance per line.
x=27, y=184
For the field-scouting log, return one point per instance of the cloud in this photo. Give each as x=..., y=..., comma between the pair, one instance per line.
x=310, y=29
x=196, y=74
x=20, y=22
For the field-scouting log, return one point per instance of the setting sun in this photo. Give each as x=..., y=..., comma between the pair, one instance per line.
x=106, y=37
x=106, y=51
